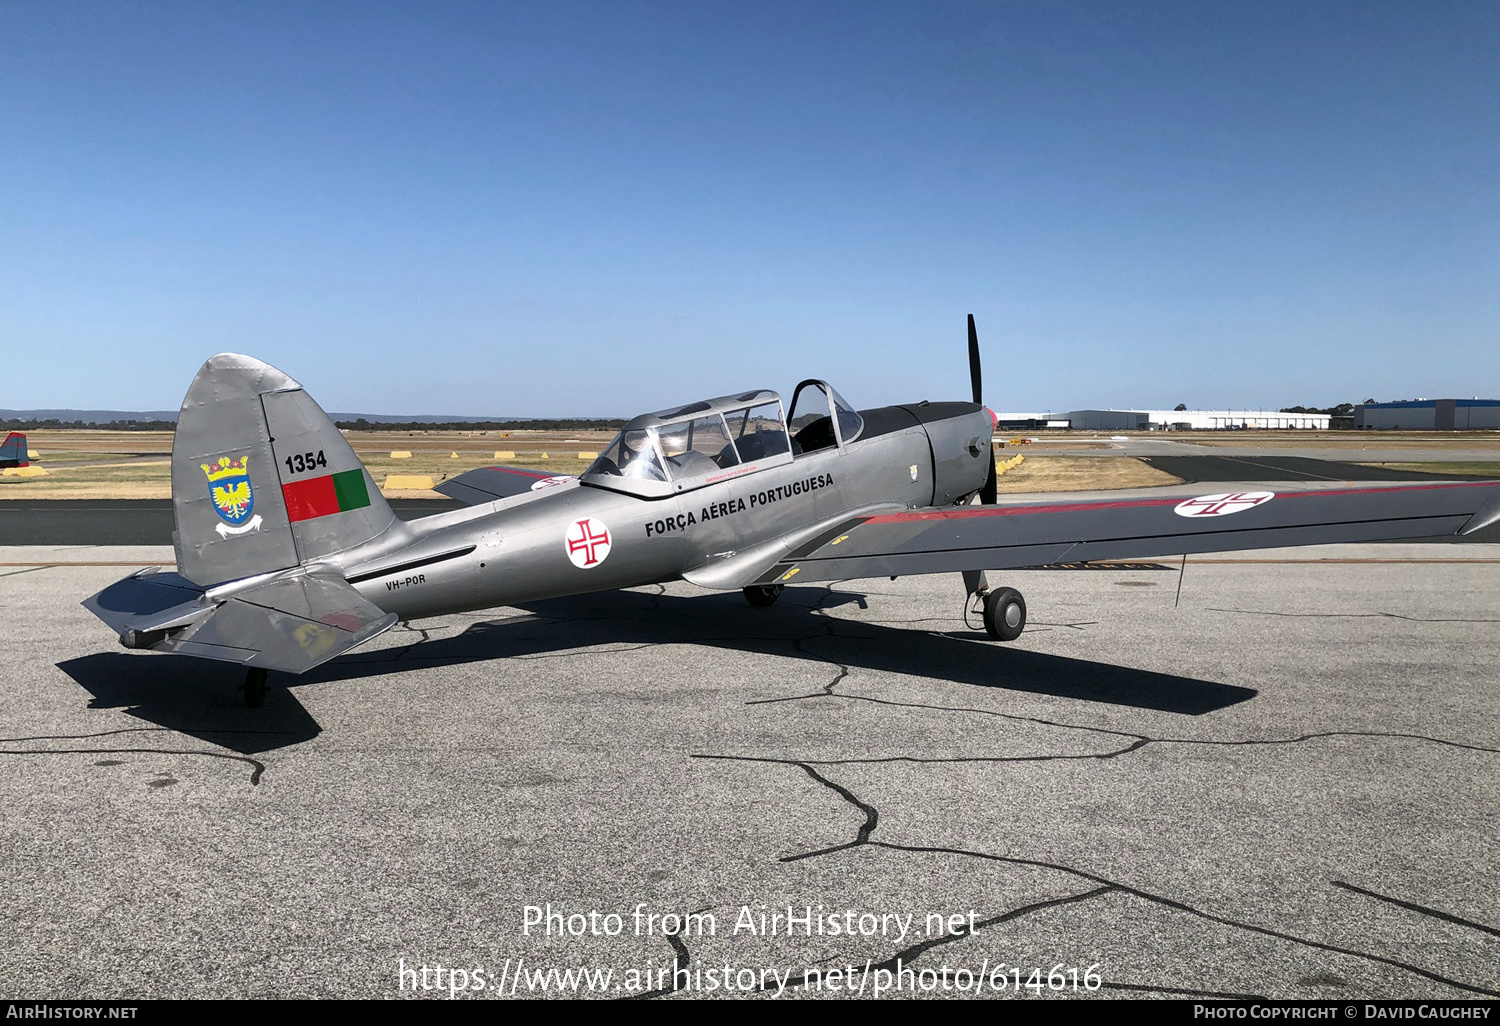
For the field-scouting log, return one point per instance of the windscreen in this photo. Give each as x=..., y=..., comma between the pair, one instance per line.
x=632, y=455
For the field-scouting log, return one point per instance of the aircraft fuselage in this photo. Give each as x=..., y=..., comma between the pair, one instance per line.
x=575, y=538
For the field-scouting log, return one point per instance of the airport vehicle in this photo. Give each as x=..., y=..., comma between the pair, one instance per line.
x=287, y=555
x=13, y=451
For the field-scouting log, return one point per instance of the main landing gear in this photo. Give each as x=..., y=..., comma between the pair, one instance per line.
x=255, y=687
x=761, y=595
x=1004, y=609
x=1004, y=614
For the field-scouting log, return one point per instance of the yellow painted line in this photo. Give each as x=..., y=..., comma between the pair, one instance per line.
x=842, y=537
x=787, y=576
x=85, y=562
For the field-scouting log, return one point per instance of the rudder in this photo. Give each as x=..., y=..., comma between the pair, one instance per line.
x=261, y=478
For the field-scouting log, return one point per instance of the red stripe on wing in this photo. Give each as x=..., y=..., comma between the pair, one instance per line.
x=965, y=512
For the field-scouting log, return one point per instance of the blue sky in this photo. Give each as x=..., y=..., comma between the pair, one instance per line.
x=602, y=208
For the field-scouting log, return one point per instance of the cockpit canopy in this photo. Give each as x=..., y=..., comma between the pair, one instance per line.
x=703, y=443
x=690, y=446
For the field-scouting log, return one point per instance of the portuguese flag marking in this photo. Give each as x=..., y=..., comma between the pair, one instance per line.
x=321, y=496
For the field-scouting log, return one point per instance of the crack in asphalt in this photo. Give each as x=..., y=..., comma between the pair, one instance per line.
x=1138, y=741
x=408, y=628
x=682, y=959
x=257, y=767
x=139, y=730
x=1446, y=917
x=28, y=570
x=1146, y=988
x=865, y=831
x=863, y=838
x=1353, y=616
x=913, y=951
x=827, y=692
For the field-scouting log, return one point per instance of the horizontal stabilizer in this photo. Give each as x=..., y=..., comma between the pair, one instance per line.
x=291, y=622
x=486, y=484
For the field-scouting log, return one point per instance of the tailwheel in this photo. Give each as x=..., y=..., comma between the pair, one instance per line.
x=1004, y=614
x=763, y=594
x=255, y=687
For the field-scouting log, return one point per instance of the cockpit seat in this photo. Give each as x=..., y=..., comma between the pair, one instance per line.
x=692, y=464
x=760, y=444
x=817, y=435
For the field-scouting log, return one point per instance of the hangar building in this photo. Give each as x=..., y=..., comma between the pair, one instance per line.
x=1193, y=420
x=1429, y=415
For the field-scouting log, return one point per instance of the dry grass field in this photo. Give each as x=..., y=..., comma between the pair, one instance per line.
x=148, y=479
x=88, y=464
x=1061, y=473
x=120, y=465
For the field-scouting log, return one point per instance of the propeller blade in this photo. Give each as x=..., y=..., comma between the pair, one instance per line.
x=974, y=361
x=990, y=493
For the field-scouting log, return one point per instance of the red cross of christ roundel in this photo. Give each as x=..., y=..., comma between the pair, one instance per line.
x=1222, y=504
x=587, y=542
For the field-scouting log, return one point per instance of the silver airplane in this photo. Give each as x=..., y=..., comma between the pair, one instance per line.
x=288, y=555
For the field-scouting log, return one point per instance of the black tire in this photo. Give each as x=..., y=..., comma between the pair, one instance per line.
x=761, y=595
x=255, y=687
x=1004, y=614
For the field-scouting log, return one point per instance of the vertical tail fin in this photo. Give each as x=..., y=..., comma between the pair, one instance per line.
x=13, y=452
x=261, y=479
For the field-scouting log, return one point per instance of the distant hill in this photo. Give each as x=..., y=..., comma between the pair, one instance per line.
x=146, y=420
x=90, y=417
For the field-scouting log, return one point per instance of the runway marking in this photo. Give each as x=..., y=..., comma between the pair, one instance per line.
x=1257, y=463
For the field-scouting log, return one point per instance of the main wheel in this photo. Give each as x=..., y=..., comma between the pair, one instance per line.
x=763, y=594
x=255, y=687
x=1004, y=614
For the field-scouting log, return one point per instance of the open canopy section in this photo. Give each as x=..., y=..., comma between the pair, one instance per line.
x=690, y=446
x=821, y=418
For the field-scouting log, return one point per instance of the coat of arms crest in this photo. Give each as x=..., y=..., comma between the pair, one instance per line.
x=229, y=487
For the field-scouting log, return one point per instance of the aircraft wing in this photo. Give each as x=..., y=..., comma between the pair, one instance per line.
x=486, y=484
x=1037, y=530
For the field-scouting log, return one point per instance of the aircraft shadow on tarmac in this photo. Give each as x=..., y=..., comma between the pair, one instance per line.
x=201, y=699
x=194, y=697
